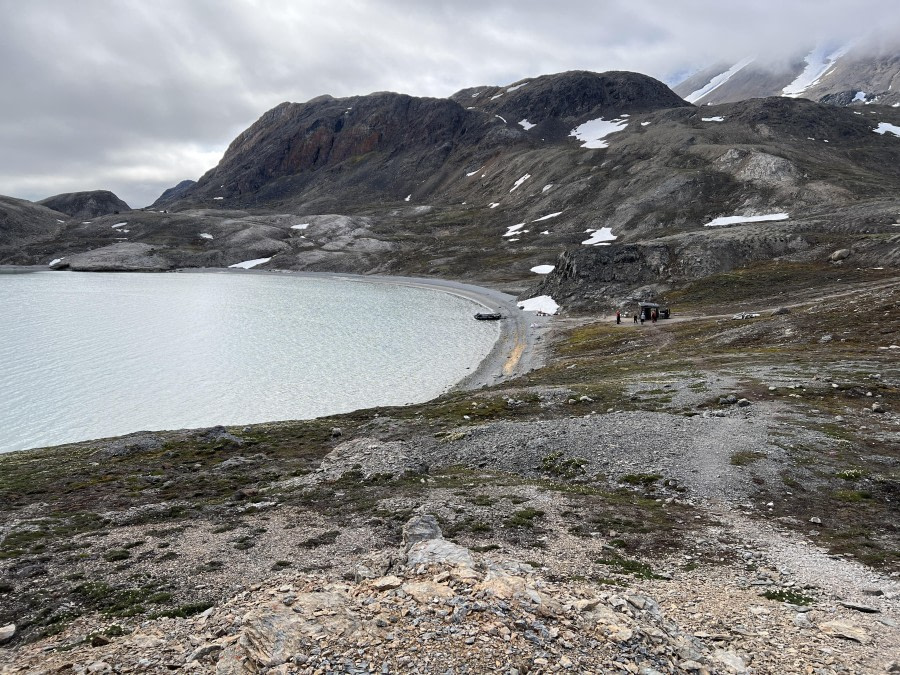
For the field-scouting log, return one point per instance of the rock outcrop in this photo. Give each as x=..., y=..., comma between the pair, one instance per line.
x=125, y=256
x=86, y=204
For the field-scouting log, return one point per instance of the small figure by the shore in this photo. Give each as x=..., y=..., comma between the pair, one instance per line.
x=635, y=318
x=618, y=317
x=642, y=318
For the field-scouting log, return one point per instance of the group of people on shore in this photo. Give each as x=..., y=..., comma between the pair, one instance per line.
x=654, y=315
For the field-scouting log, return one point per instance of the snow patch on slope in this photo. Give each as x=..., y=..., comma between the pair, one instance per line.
x=547, y=217
x=542, y=303
x=520, y=181
x=731, y=220
x=718, y=80
x=885, y=128
x=247, y=264
x=600, y=237
x=593, y=133
x=514, y=229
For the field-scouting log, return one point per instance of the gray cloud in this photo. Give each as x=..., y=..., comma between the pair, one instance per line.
x=133, y=95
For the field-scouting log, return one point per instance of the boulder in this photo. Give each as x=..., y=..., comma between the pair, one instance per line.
x=426, y=591
x=273, y=633
x=421, y=528
x=438, y=551
x=840, y=254
x=846, y=631
x=388, y=583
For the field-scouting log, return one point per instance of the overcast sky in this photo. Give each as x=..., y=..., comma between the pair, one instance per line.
x=136, y=95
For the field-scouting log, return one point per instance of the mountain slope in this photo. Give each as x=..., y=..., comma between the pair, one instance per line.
x=23, y=223
x=387, y=146
x=837, y=74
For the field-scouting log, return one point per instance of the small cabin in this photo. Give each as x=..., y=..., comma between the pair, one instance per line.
x=645, y=311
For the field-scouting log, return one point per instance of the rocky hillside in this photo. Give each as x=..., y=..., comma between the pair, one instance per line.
x=173, y=193
x=366, y=150
x=838, y=75
x=23, y=223
x=86, y=204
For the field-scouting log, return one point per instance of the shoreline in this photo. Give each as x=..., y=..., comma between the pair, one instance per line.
x=515, y=352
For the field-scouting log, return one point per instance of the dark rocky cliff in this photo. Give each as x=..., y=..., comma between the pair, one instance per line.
x=385, y=146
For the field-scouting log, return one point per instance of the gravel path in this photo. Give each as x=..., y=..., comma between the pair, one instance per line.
x=696, y=451
x=810, y=565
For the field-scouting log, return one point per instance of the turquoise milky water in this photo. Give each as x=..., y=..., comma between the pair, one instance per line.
x=92, y=355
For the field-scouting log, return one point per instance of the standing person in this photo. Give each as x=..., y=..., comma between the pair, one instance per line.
x=653, y=316
x=618, y=317
x=635, y=318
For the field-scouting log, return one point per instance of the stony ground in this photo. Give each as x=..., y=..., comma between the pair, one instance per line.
x=700, y=495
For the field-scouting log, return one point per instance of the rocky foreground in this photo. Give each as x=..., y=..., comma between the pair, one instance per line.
x=435, y=607
x=707, y=494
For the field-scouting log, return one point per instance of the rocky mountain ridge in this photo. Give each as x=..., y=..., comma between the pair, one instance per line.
x=494, y=181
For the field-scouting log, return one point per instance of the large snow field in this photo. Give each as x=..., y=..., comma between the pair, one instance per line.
x=818, y=62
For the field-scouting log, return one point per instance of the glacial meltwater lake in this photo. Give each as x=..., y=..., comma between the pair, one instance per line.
x=89, y=355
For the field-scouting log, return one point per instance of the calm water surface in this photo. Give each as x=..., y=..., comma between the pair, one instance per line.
x=91, y=355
